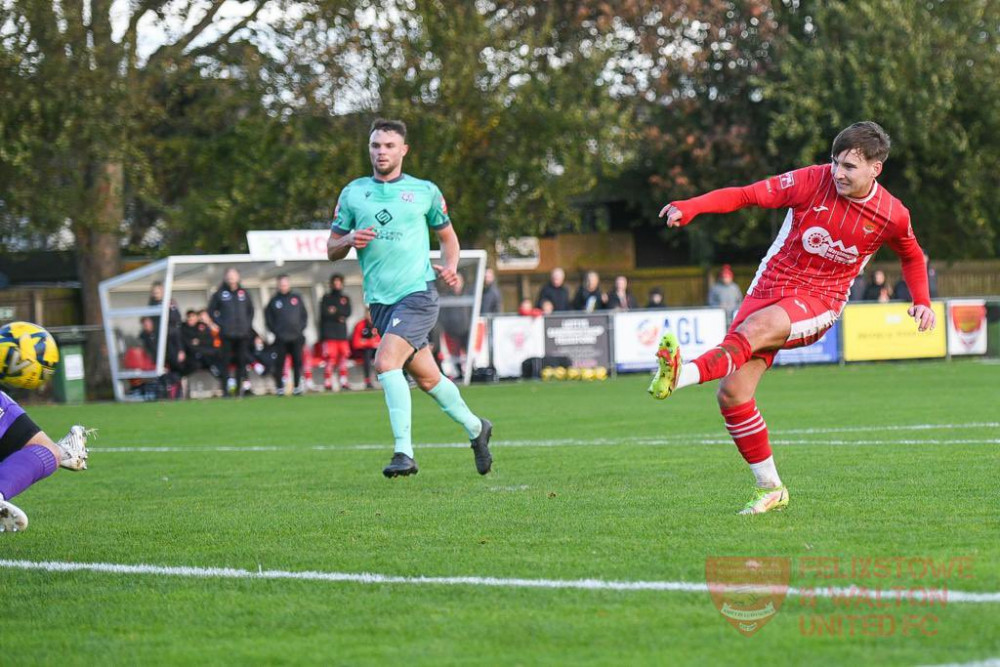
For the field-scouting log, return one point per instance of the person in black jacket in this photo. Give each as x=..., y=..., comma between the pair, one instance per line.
x=232, y=311
x=286, y=318
x=334, y=309
x=199, y=345
x=555, y=291
x=590, y=297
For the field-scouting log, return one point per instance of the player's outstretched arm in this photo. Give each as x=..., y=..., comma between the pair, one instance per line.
x=788, y=189
x=725, y=200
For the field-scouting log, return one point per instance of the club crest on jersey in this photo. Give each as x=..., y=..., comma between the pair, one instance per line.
x=406, y=196
x=868, y=226
x=786, y=180
x=817, y=241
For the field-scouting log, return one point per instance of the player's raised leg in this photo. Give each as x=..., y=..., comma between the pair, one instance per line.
x=446, y=394
x=748, y=430
x=764, y=329
x=392, y=353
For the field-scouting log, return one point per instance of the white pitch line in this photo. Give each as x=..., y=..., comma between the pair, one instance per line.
x=600, y=442
x=848, y=593
x=681, y=439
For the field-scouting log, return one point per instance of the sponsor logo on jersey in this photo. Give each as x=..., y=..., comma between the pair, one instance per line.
x=786, y=180
x=817, y=241
x=383, y=217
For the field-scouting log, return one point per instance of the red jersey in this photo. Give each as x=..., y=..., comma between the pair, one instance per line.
x=826, y=239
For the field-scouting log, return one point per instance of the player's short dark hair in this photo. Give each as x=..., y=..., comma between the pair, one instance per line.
x=337, y=276
x=190, y=312
x=397, y=126
x=867, y=137
x=282, y=275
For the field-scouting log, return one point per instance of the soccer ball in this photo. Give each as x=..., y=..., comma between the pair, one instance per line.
x=28, y=355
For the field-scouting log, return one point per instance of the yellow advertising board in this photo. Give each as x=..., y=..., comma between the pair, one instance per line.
x=884, y=331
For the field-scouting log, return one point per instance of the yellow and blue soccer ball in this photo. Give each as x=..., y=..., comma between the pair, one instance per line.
x=28, y=355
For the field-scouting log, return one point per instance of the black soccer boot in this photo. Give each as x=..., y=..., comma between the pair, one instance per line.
x=481, y=447
x=401, y=465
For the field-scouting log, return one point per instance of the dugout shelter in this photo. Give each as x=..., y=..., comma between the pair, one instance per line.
x=190, y=281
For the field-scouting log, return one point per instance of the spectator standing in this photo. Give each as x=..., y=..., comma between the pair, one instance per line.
x=364, y=341
x=874, y=289
x=555, y=291
x=232, y=311
x=725, y=293
x=335, y=349
x=175, y=346
x=621, y=298
x=590, y=297
x=656, y=298
x=286, y=318
x=492, y=301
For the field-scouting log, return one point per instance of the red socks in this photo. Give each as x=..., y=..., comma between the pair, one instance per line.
x=724, y=359
x=748, y=430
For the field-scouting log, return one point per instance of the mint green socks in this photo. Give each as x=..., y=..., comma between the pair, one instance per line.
x=397, y=399
x=447, y=396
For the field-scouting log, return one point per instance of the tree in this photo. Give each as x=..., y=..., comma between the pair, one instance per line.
x=693, y=74
x=928, y=72
x=78, y=95
x=502, y=100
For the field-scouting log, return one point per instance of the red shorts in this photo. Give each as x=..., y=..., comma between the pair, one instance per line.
x=335, y=351
x=811, y=316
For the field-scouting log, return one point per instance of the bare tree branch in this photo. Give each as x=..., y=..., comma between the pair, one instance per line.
x=179, y=46
x=208, y=48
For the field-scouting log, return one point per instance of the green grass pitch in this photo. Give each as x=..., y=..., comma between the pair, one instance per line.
x=591, y=481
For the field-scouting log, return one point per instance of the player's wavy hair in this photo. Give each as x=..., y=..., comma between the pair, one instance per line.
x=397, y=126
x=867, y=137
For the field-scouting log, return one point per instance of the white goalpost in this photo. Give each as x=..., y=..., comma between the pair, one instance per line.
x=190, y=280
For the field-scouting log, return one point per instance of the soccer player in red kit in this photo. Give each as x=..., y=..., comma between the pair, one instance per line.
x=838, y=217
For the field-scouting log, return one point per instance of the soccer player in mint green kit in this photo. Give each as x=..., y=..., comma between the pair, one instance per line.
x=386, y=218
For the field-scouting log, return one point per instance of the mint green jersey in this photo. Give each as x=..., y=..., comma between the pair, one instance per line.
x=397, y=261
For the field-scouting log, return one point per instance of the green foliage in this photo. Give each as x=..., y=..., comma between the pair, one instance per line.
x=929, y=72
x=524, y=113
